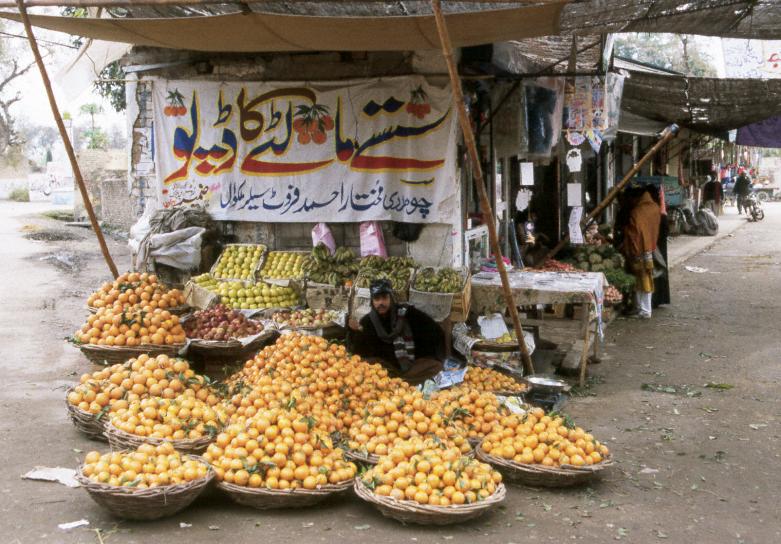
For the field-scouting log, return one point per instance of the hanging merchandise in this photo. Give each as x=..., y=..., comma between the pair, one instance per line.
x=321, y=234
x=544, y=103
x=592, y=107
x=574, y=160
x=372, y=239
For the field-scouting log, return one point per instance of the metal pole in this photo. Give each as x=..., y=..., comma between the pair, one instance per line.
x=66, y=139
x=668, y=134
x=488, y=216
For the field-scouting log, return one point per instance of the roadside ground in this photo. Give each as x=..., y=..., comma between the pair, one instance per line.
x=688, y=403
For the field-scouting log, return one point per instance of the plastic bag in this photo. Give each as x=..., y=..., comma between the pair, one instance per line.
x=372, y=239
x=140, y=229
x=322, y=234
x=180, y=249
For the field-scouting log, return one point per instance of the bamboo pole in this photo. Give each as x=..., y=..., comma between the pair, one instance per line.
x=134, y=3
x=668, y=134
x=66, y=139
x=471, y=145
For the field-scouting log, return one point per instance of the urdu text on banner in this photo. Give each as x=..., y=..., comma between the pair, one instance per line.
x=380, y=149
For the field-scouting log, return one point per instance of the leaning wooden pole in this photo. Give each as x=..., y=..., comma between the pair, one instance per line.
x=488, y=216
x=668, y=134
x=66, y=139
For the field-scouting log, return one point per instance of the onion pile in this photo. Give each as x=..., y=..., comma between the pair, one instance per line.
x=220, y=323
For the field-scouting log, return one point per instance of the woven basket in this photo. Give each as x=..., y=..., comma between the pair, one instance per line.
x=109, y=355
x=176, y=310
x=542, y=476
x=232, y=349
x=266, y=499
x=145, y=504
x=361, y=457
x=423, y=514
x=120, y=440
x=86, y=422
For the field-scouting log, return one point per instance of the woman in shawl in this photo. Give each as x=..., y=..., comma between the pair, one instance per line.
x=640, y=240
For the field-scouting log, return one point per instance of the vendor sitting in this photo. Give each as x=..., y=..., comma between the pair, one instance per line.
x=400, y=337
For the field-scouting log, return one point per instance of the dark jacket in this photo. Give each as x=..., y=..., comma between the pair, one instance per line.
x=742, y=185
x=427, y=334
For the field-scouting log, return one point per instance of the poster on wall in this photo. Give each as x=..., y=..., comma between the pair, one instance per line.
x=380, y=149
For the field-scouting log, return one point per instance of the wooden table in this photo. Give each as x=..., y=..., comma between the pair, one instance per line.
x=531, y=288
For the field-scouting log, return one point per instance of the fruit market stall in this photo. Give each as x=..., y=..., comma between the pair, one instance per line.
x=529, y=289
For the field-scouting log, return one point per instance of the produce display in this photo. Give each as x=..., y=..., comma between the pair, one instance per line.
x=114, y=388
x=507, y=359
x=278, y=449
x=207, y=281
x=338, y=269
x=395, y=269
x=180, y=418
x=599, y=258
x=307, y=318
x=476, y=412
x=444, y=280
x=622, y=281
x=552, y=265
x=147, y=467
x=132, y=290
x=487, y=379
x=394, y=419
x=239, y=262
x=426, y=472
x=548, y=440
x=283, y=265
x=130, y=327
x=220, y=323
x=613, y=295
x=259, y=296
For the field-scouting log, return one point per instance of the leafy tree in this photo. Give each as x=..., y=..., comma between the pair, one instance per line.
x=92, y=110
x=676, y=52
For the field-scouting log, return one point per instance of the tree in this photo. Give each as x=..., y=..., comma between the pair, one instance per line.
x=8, y=134
x=676, y=52
x=92, y=110
x=111, y=85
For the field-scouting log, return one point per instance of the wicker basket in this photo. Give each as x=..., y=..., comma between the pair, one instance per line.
x=232, y=349
x=423, y=514
x=361, y=457
x=145, y=504
x=86, y=422
x=120, y=440
x=542, y=476
x=109, y=355
x=266, y=499
x=176, y=310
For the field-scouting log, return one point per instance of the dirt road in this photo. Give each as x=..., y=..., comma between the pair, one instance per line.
x=695, y=463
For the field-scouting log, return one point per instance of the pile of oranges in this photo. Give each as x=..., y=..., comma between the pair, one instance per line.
x=547, y=440
x=306, y=370
x=115, y=387
x=182, y=418
x=278, y=449
x=397, y=418
x=476, y=412
x=131, y=327
x=146, y=467
x=487, y=379
x=428, y=473
x=136, y=291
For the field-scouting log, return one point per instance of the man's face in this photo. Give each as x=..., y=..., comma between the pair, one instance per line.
x=381, y=303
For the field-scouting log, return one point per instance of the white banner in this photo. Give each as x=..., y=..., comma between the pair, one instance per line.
x=752, y=59
x=381, y=149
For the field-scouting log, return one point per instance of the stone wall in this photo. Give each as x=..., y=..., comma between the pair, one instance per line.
x=97, y=166
x=267, y=67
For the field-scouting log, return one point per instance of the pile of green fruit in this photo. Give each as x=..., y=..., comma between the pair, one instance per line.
x=597, y=258
x=239, y=295
x=206, y=281
x=396, y=269
x=338, y=269
x=239, y=262
x=283, y=265
x=444, y=280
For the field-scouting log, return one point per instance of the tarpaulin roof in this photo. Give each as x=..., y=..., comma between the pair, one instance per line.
x=707, y=105
x=371, y=26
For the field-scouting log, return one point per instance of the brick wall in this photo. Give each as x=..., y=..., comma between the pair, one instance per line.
x=267, y=67
x=98, y=165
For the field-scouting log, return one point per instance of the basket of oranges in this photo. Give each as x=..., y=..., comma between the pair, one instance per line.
x=424, y=482
x=187, y=422
x=147, y=483
x=133, y=290
x=544, y=451
x=279, y=458
x=114, y=335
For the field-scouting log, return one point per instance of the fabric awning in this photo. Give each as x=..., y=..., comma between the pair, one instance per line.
x=257, y=32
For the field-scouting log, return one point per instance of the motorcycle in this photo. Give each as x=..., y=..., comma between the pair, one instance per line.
x=753, y=206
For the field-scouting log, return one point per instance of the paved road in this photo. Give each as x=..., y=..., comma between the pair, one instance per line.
x=698, y=465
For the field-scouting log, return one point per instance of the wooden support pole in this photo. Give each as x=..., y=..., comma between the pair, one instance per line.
x=133, y=3
x=471, y=145
x=668, y=134
x=66, y=139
